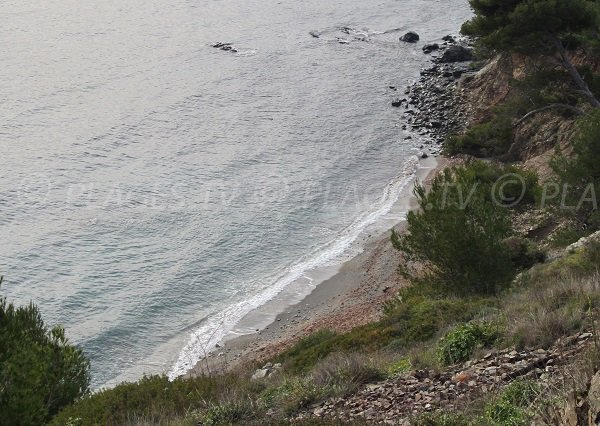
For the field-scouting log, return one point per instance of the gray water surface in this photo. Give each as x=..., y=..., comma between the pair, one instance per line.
x=151, y=182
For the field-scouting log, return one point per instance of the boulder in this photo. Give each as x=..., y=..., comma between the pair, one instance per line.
x=428, y=48
x=456, y=54
x=449, y=39
x=410, y=37
x=261, y=373
x=594, y=400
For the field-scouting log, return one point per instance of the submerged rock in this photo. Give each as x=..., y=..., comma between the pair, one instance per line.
x=428, y=48
x=410, y=37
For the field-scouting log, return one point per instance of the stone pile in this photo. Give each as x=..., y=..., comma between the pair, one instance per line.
x=395, y=400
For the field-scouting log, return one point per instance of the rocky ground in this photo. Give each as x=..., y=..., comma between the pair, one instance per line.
x=394, y=401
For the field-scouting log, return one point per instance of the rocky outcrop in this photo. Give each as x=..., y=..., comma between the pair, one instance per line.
x=267, y=371
x=428, y=48
x=456, y=54
x=423, y=391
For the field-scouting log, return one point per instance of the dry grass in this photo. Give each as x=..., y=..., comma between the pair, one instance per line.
x=539, y=314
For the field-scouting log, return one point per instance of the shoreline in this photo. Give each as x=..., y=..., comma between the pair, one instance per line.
x=351, y=297
x=353, y=294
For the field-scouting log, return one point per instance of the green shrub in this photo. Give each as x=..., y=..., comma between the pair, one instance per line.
x=511, y=407
x=524, y=253
x=567, y=236
x=460, y=227
x=488, y=139
x=413, y=316
x=460, y=343
x=294, y=394
x=40, y=372
x=229, y=413
x=400, y=366
x=153, y=398
x=440, y=419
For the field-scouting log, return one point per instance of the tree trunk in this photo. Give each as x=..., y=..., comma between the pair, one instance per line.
x=570, y=108
x=577, y=78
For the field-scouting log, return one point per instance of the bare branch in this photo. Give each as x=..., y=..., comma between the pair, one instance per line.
x=570, y=108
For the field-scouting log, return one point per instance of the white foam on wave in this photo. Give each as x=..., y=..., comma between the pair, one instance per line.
x=218, y=325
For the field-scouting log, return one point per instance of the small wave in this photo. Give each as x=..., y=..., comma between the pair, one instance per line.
x=217, y=326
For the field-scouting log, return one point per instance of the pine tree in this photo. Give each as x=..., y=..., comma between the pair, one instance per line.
x=552, y=27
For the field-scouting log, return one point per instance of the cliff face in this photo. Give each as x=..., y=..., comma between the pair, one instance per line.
x=534, y=141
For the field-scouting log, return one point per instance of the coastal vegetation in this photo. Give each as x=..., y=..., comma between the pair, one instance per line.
x=40, y=372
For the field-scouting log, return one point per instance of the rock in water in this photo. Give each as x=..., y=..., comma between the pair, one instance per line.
x=410, y=37
x=428, y=48
x=456, y=54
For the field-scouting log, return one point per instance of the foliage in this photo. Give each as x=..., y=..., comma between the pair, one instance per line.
x=294, y=394
x=40, y=372
x=399, y=366
x=440, y=419
x=539, y=27
x=460, y=343
x=230, y=413
x=527, y=25
x=524, y=253
x=580, y=176
x=345, y=372
x=488, y=139
x=412, y=317
x=510, y=408
x=153, y=397
x=462, y=222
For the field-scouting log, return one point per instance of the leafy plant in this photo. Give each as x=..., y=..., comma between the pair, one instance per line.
x=460, y=343
x=510, y=408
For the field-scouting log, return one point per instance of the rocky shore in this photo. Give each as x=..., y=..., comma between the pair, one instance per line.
x=431, y=106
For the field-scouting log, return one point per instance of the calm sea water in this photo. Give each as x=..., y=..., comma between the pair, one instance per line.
x=152, y=186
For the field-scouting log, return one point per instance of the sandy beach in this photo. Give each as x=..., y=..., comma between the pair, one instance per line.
x=350, y=298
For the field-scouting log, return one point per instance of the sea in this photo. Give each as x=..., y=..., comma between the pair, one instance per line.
x=156, y=190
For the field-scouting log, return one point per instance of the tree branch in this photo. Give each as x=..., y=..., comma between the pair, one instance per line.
x=570, y=108
x=577, y=78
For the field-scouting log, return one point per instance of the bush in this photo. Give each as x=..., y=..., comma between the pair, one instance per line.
x=461, y=225
x=510, y=408
x=489, y=139
x=413, y=316
x=345, y=372
x=153, y=398
x=40, y=372
x=460, y=343
x=294, y=394
x=440, y=419
x=230, y=413
x=523, y=253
